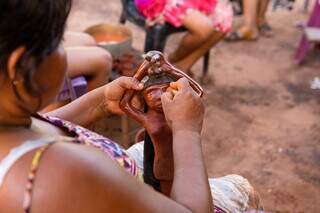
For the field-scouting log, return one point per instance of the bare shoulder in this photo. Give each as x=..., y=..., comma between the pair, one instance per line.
x=71, y=176
x=77, y=178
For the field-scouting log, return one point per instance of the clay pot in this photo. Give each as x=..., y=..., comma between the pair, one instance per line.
x=116, y=38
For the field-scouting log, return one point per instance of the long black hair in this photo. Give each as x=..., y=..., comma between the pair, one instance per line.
x=36, y=24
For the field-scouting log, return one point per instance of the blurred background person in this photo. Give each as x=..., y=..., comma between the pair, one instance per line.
x=254, y=21
x=207, y=22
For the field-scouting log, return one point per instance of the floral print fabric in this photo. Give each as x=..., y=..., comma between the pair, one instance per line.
x=87, y=137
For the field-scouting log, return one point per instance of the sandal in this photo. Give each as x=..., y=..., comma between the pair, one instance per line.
x=265, y=29
x=236, y=36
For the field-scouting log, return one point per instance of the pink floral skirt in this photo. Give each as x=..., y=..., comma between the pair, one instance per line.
x=221, y=14
x=174, y=11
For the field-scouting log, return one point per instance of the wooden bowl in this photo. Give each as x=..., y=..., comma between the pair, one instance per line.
x=116, y=38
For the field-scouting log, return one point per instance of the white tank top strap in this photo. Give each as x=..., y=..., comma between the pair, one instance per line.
x=17, y=152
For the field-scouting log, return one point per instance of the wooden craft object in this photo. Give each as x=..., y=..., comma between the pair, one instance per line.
x=157, y=73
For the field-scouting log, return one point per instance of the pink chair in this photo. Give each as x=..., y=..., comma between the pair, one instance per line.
x=305, y=44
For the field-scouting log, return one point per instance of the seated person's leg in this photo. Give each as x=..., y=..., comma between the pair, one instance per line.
x=94, y=63
x=220, y=23
x=199, y=30
x=84, y=58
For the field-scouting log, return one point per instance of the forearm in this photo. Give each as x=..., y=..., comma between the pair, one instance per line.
x=85, y=110
x=190, y=186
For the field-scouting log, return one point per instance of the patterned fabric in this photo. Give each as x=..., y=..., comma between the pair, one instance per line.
x=87, y=137
x=222, y=17
x=31, y=178
x=174, y=11
x=218, y=210
x=150, y=8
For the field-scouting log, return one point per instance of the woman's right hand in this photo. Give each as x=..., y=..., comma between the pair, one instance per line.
x=183, y=109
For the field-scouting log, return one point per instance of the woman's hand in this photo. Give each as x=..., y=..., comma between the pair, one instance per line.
x=98, y=103
x=184, y=112
x=183, y=108
x=114, y=92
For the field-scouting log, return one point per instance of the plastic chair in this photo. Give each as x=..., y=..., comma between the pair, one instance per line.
x=156, y=36
x=73, y=88
x=305, y=44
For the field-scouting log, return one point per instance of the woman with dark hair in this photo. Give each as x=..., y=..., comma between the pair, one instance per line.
x=49, y=164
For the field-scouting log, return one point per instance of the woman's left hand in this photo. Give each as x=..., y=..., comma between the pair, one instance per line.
x=114, y=91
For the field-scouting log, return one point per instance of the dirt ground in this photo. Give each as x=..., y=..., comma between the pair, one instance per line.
x=261, y=115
